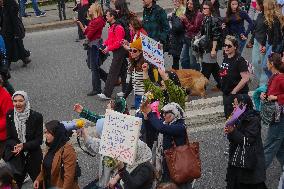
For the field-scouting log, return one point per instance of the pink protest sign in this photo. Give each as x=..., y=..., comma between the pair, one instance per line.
x=120, y=135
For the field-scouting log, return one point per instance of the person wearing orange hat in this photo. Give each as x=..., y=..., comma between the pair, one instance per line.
x=135, y=72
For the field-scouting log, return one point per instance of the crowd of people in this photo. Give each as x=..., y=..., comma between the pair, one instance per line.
x=192, y=34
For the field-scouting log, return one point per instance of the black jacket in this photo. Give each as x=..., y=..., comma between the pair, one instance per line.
x=140, y=178
x=250, y=127
x=11, y=24
x=211, y=28
x=260, y=29
x=34, y=138
x=274, y=36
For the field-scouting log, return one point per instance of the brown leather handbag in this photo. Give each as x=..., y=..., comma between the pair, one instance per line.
x=184, y=162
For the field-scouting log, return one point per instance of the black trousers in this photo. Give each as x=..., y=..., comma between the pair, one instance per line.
x=82, y=17
x=175, y=62
x=117, y=68
x=211, y=68
x=61, y=9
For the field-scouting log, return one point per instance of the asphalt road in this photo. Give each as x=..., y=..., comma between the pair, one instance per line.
x=58, y=78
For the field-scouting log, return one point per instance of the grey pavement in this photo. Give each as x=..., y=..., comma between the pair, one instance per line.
x=58, y=77
x=51, y=20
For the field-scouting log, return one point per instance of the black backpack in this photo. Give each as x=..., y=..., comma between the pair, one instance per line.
x=125, y=24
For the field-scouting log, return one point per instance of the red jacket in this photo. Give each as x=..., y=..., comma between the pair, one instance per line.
x=95, y=28
x=5, y=105
x=276, y=88
x=193, y=26
x=115, y=36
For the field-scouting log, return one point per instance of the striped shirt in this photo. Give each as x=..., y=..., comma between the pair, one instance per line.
x=137, y=82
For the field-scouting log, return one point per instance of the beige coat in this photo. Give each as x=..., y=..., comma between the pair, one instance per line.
x=69, y=160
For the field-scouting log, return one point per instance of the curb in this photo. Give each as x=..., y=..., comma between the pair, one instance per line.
x=63, y=24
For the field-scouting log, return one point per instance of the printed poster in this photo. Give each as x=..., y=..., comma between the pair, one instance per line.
x=120, y=136
x=153, y=51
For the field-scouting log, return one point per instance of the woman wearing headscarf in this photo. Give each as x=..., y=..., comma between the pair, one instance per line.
x=245, y=133
x=59, y=163
x=172, y=128
x=24, y=136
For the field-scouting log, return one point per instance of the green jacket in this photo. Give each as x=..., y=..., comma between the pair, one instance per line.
x=176, y=94
x=91, y=116
x=156, y=24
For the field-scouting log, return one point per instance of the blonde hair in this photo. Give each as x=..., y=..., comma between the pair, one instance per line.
x=271, y=12
x=95, y=10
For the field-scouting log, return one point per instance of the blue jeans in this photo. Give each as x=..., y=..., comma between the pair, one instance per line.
x=265, y=73
x=241, y=43
x=257, y=59
x=274, y=143
x=22, y=4
x=137, y=101
x=187, y=59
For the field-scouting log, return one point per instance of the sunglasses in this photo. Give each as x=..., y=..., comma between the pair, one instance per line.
x=227, y=45
x=133, y=50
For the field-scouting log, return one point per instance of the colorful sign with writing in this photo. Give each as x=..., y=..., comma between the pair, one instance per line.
x=120, y=135
x=153, y=51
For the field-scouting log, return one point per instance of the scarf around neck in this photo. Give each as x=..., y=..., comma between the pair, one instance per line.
x=20, y=118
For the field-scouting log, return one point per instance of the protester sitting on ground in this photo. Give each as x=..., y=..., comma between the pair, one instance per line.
x=6, y=178
x=59, y=163
x=139, y=175
x=246, y=167
x=24, y=137
x=5, y=106
x=171, y=128
x=234, y=74
x=168, y=91
x=272, y=109
x=93, y=32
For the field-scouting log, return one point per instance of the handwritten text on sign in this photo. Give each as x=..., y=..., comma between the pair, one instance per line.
x=120, y=135
x=153, y=51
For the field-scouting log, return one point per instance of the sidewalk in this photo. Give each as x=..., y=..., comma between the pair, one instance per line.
x=51, y=21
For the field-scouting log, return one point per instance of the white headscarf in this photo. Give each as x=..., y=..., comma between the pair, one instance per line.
x=20, y=118
x=175, y=109
x=143, y=155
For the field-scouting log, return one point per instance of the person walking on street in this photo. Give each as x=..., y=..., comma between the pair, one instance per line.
x=213, y=33
x=234, y=23
x=5, y=105
x=24, y=137
x=233, y=73
x=38, y=13
x=113, y=43
x=93, y=32
x=61, y=9
x=192, y=21
x=155, y=21
x=13, y=32
x=272, y=109
x=81, y=8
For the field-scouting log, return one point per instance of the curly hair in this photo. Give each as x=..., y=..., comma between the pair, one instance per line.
x=271, y=12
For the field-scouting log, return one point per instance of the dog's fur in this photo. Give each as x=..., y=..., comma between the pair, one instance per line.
x=192, y=81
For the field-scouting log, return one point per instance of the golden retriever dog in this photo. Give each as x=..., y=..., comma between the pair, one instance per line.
x=193, y=81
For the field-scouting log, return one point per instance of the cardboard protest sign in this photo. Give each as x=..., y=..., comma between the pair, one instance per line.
x=153, y=51
x=120, y=135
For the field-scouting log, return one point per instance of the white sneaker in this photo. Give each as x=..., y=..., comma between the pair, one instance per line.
x=103, y=96
x=120, y=94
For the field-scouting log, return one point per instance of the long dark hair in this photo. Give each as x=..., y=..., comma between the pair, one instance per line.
x=276, y=60
x=260, y=4
x=190, y=14
x=122, y=7
x=229, y=11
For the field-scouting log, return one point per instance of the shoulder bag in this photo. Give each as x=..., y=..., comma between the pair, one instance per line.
x=184, y=162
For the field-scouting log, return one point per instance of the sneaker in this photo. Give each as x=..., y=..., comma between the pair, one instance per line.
x=103, y=96
x=41, y=14
x=120, y=94
x=27, y=178
x=26, y=61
